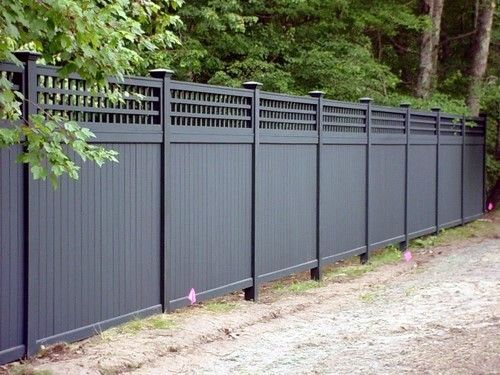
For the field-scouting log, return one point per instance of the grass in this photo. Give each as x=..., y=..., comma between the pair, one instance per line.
x=160, y=321
x=27, y=370
x=368, y=297
x=296, y=286
x=353, y=269
x=219, y=306
x=478, y=228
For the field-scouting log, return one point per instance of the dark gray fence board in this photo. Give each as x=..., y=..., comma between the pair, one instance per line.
x=287, y=202
x=12, y=270
x=211, y=203
x=343, y=199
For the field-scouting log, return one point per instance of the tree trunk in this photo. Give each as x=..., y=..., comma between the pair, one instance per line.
x=497, y=143
x=429, y=47
x=480, y=50
x=436, y=33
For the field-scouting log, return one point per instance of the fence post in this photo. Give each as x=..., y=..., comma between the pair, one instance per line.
x=316, y=272
x=404, y=245
x=485, y=121
x=437, y=110
x=364, y=257
x=252, y=293
x=462, y=203
x=164, y=106
x=29, y=90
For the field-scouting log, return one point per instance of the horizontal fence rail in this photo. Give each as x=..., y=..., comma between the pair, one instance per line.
x=217, y=189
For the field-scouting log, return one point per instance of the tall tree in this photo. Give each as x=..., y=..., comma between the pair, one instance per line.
x=429, y=47
x=480, y=50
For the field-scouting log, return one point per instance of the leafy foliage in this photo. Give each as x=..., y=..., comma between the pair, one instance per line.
x=94, y=38
x=347, y=48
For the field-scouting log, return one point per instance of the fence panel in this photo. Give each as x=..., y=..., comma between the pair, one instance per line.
x=286, y=186
x=474, y=169
x=12, y=240
x=422, y=174
x=450, y=171
x=95, y=245
x=387, y=174
x=343, y=190
x=12, y=268
x=211, y=191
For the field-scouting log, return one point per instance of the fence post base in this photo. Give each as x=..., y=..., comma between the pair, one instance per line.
x=363, y=258
x=316, y=274
x=252, y=293
x=403, y=246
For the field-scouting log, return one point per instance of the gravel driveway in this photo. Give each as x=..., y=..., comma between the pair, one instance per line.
x=436, y=314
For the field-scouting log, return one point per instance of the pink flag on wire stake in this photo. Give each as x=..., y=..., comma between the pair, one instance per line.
x=192, y=296
x=407, y=255
x=490, y=206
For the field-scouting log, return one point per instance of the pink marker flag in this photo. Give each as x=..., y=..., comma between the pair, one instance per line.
x=192, y=296
x=407, y=255
x=490, y=206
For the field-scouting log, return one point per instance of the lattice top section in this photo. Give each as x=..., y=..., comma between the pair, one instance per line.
x=287, y=113
x=451, y=126
x=423, y=124
x=209, y=106
x=343, y=119
x=475, y=127
x=388, y=122
x=71, y=97
x=13, y=74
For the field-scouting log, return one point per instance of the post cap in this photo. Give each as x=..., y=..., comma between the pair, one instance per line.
x=405, y=105
x=160, y=73
x=252, y=85
x=365, y=100
x=317, y=93
x=25, y=55
x=435, y=109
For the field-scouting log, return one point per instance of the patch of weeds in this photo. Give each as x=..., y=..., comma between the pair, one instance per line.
x=27, y=370
x=108, y=370
x=388, y=255
x=219, y=306
x=368, y=297
x=295, y=286
x=160, y=321
x=427, y=241
x=53, y=350
x=410, y=290
x=478, y=228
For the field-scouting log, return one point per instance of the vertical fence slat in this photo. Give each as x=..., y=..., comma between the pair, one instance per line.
x=252, y=293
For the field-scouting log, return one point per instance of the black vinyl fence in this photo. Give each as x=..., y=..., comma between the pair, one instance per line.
x=217, y=189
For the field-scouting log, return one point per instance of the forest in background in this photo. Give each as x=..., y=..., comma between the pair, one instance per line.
x=441, y=53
